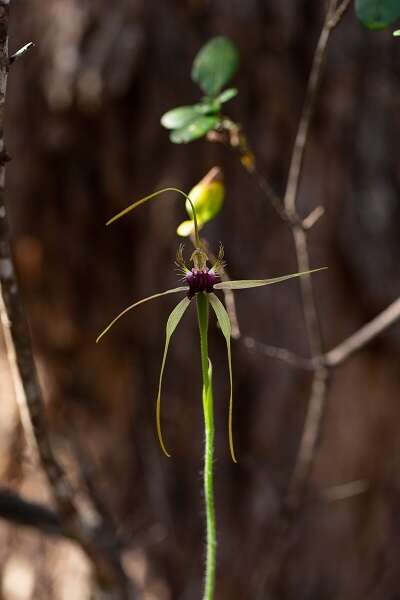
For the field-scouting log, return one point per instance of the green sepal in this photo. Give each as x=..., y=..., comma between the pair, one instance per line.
x=131, y=306
x=194, y=130
x=242, y=284
x=225, y=324
x=215, y=64
x=172, y=323
x=377, y=14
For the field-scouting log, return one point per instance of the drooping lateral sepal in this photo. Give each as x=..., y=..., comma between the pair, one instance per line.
x=225, y=324
x=172, y=323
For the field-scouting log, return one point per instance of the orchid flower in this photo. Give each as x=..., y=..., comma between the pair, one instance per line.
x=200, y=281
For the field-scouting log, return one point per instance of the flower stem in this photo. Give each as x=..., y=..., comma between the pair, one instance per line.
x=208, y=409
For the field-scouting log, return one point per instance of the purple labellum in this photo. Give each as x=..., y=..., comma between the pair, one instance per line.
x=201, y=281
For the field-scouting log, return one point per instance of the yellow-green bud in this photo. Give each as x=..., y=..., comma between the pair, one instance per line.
x=207, y=197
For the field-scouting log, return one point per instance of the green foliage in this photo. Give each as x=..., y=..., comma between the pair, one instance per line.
x=377, y=14
x=194, y=130
x=214, y=65
x=227, y=95
x=179, y=117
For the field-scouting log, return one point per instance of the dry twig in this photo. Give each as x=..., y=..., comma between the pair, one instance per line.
x=299, y=228
x=363, y=336
x=320, y=362
x=107, y=567
x=15, y=509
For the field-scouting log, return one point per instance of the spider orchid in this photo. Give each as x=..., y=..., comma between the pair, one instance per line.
x=201, y=281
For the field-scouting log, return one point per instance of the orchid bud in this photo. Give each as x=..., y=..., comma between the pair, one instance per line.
x=207, y=197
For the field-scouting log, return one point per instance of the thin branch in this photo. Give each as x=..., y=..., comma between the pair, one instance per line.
x=344, y=491
x=309, y=439
x=299, y=228
x=282, y=354
x=332, y=19
x=15, y=509
x=320, y=384
x=311, y=317
x=300, y=143
x=269, y=192
x=363, y=336
x=20, y=53
x=338, y=355
x=339, y=12
x=313, y=217
x=232, y=138
x=88, y=476
x=16, y=329
x=109, y=573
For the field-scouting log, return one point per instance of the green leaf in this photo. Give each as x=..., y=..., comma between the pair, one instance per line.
x=172, y=323
x=208, y=106
x=183, y=115
x=377, y=14
x=227, y=95
x=243, y=284
x=225, y=324
x=215, y=65
x=131, y=306
x=179, y=117
x=196, y=129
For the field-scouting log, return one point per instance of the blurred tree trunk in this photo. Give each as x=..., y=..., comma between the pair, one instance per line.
x=83, y=129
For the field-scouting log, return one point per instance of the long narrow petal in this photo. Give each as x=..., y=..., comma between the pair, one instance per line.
x=225, y=324
x=242, y=284
x=134, y=205
x=172, y=324
x=128, y=308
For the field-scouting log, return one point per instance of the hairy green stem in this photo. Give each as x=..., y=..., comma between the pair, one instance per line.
x=208, y=409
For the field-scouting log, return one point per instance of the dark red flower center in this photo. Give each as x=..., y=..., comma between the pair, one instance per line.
x=201, y=281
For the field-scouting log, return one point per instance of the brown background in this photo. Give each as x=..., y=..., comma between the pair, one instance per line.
x=83, y=130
